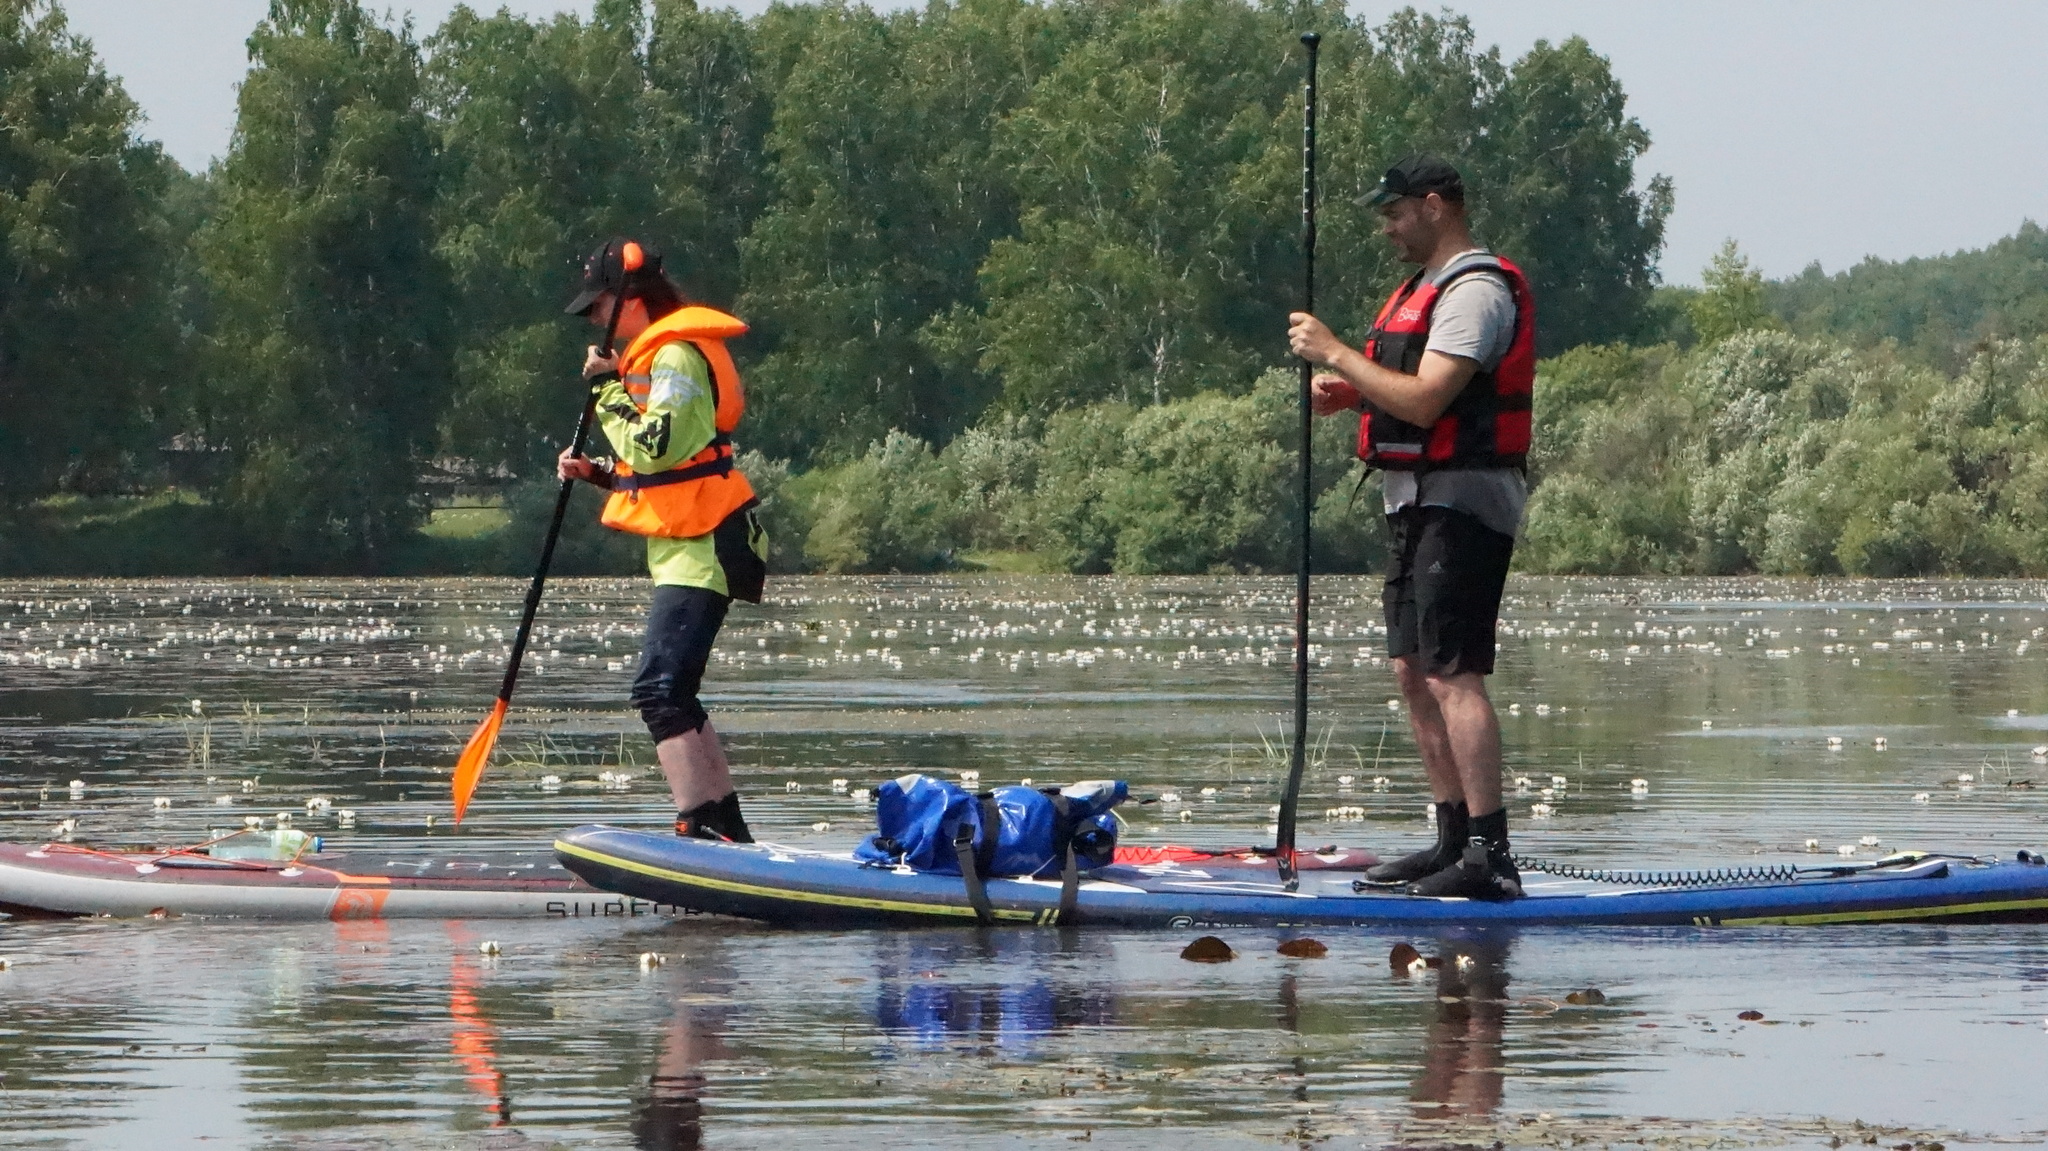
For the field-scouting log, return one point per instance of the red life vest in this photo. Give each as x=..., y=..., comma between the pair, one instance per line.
x=697, y=494
x=1487, y=425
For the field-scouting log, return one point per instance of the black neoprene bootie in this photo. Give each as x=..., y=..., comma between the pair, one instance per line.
x=735, y=823
x=1484, y=870
x=715, y=819
x=1452, y=822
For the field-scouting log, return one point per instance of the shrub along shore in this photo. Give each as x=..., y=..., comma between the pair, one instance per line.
x=1017, y=274
x=1764, y=452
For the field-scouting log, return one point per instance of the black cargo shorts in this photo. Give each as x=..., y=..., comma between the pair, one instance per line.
x=1445, y=573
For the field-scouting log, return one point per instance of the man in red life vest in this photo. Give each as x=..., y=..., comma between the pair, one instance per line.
x=668, y=403
x=1443, y=386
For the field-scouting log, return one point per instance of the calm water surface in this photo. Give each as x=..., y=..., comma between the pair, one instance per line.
x=1723, y=695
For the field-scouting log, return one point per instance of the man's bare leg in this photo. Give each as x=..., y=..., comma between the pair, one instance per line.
x=1485, y=870
x=1439, y=760
x=1473, y=731
x=1432, y=736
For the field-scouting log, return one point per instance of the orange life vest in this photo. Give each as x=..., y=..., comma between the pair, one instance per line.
x=697, y=494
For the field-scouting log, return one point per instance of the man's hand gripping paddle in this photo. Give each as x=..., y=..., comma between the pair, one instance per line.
x=470, y=767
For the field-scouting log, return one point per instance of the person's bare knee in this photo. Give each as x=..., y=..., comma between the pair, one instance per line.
x=1413, y=682
x=1451, y=691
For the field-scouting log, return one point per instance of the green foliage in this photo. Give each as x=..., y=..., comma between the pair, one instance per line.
x=329, y=353
x=996, y=465
x=1016, y=272
x=1733, y=298
x=165, y=533
x=1194, y=485
x=885, y=202
x=1939, y=309
x=1610, y=494
x=1195, y=491
x=89, y=348
x=1130, y=158
x=1767, y=452
x=890, y=510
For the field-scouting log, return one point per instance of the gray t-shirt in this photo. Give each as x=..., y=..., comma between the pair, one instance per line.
x=1475, y=320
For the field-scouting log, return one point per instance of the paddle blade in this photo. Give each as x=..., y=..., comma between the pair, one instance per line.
x=470, y=767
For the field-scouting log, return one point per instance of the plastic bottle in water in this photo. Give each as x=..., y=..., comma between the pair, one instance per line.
x=283, y=843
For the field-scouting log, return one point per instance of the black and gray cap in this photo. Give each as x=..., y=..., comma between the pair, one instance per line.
x=1417, y=175
x=617, y=265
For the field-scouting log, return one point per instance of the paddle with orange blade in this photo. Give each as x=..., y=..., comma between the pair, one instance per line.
x=470, y=767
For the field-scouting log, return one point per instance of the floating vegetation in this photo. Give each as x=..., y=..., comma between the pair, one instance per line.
x=1178, y=685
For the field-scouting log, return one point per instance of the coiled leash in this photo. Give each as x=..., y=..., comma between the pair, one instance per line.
x=1710, y=877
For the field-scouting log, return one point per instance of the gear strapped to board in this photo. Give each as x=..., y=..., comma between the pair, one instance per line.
x=934, y=826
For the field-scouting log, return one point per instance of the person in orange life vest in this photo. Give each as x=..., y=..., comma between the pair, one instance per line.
x=668, y=403
x=1443, y=384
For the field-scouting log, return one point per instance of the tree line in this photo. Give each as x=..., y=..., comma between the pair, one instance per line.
x=1891, y=420
x=1016, y=271
x=976, y=211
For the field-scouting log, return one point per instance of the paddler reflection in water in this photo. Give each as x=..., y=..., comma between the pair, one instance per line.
x=1463, y=1068
x=668, y=405
x=1443, y=387
x=671, y=1118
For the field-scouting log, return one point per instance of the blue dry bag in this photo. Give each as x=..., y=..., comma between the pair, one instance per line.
x=922, y=823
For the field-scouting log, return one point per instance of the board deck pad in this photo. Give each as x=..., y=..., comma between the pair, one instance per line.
x=798, y=887
x=64, y=879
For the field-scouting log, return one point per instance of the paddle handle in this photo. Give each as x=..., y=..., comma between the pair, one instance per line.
x=547, y=557
x=547, y=547
x=1297, y=756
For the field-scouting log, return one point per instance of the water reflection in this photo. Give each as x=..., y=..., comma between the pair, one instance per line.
x=1463, y=1067
x=668, y=1112
x=671, y=1116
x=473, y=1040
x=1007, y=994
x=995, y=991
x=403, y=1035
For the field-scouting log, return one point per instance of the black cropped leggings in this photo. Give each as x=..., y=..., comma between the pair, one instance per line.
x=682, y=625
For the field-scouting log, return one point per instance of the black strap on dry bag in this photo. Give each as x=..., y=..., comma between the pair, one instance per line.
x=1070, y=888
x=970, y=873
x=974, y=860
x=1070, y=868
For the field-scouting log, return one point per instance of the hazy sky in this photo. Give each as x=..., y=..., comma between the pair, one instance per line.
x=1806, y=129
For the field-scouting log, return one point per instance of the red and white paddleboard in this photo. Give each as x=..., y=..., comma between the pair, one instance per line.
x=67, y=879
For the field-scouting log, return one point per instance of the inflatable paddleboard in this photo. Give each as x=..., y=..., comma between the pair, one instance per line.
x=799, y=888
x=65, y=879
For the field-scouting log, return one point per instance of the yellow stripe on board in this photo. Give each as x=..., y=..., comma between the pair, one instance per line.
x=1921, y=913
x=784, y=893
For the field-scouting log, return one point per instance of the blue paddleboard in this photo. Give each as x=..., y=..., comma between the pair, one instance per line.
x=800, y=888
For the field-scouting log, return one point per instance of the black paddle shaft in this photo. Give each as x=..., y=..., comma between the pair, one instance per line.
x=1297, y=760
x=547, y=548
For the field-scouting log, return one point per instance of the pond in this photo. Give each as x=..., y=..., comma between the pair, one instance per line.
x=1770, y=719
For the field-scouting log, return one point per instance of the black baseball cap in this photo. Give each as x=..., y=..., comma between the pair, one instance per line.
x=618, y=264
x=1418, y=175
